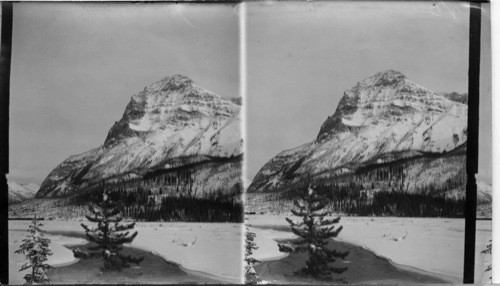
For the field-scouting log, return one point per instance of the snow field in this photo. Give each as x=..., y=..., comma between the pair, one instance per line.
x=214, y=249
x=434, y=245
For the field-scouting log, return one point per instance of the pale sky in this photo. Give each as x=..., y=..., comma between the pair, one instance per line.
x=302, y=56
x=76, y=66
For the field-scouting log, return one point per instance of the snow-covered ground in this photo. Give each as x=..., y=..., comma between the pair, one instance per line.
x=431, y=244
x=213, y=249
x=217, y=250
x=434, y=245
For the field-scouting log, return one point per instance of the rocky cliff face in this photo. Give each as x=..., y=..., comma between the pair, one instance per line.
x=382, y=120
x=171, y=127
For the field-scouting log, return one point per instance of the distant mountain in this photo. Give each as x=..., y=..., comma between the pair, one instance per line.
x=458, y=97
x=21, y=192
x=174, y=137
x=484, y=200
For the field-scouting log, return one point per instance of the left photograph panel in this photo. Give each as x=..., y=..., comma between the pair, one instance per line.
x=125, y=144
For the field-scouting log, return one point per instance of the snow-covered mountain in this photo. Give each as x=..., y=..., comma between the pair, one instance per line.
x=384, y=118
x=21, y=192
x=484, y=199
x=484, y=192
x=170, y=126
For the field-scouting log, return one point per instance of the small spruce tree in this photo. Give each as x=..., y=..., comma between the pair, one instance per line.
x=108, y=237
x=36, y=249
x=314, y=231
x=251, y=276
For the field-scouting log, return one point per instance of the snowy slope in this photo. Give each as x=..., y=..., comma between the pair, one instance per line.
x=21, y=192
x=383, y=118
x=171, y=123
x=484, y=192
x=484, y=200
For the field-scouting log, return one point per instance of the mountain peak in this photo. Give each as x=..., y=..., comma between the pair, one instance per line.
x=174, y=82
x=385, y=78
x=388, y=96
x=176, y=78
x=389, y=72
x=172, y=102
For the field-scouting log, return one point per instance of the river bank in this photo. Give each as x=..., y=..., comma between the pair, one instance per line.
x=363, y=267
x=431, y=245
x=208, y=250
x=152, y=270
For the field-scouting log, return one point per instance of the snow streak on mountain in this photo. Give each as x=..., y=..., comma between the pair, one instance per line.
x=382, y=119
x=171, y=127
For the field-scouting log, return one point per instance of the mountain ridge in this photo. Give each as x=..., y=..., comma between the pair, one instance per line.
x=170, y=123
x=382, y=118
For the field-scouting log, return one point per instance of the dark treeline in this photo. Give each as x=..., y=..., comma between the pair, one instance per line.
x=170, y=194
x=399, y=203
x=355, y=199
x=387, y=189
x=142, y=205
x=188, y=209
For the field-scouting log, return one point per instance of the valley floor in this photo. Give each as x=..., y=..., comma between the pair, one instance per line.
x=202, y=251
x=432, y=246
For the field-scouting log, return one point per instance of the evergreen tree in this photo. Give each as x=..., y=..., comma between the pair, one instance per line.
x=314, y=231
x=36, y=249
x=251, y=276
x=108, y=237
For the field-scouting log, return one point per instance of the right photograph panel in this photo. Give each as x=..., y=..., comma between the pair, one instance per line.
x=357, y=132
